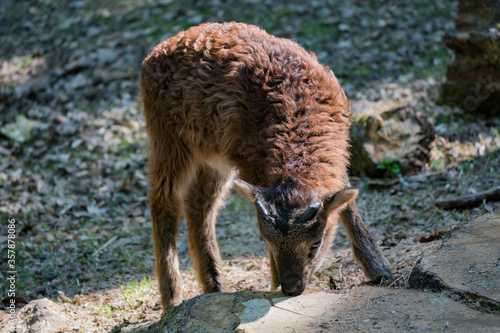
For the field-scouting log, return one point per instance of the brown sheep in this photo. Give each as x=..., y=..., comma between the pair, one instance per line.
x=229, y=100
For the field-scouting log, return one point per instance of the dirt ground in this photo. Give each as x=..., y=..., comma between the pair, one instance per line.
x=76, y=183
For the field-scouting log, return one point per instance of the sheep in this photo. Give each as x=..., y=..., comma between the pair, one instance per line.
x=227, y=104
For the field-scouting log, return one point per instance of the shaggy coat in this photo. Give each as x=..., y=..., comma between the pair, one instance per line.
x=287, y=111
x=227, y=99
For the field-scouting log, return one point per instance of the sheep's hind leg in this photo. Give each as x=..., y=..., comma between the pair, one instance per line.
x=170, y=173
x=165, y=215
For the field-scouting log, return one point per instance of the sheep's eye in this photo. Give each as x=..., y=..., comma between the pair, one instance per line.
x=316, y=245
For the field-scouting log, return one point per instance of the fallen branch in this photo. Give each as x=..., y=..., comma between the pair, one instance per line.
x=468, y=201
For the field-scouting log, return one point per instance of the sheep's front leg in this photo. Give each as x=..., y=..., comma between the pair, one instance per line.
x=364, y=248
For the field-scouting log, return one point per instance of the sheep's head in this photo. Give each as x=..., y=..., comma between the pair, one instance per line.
x=293, y=222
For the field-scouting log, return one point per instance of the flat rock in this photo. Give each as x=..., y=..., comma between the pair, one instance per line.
x=371, y=309
x=363, y=308
x=42, y=316
x=215, y=312
x=467, y=264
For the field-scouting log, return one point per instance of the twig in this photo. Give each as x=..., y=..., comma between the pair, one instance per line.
x=300, y=314
x=394, y=282
x=468, y=201
x=104, y=246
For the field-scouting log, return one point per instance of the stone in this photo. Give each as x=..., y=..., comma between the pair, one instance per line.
x=361, y=308
x=210, y=312
x=42, y=316
x=255, y=309
x=369, y=308
x=468, y=264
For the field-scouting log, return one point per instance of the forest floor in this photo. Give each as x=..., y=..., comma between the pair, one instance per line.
x=76, y=184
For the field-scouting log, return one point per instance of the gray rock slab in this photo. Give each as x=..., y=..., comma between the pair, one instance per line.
x=363, y=308
x=468, y=263
x=372, y=309
x=42, y=316
x=215, y=312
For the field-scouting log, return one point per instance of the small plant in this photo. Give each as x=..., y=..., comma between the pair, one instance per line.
x=496, y=132
x=437, y=165
x=390, y=165
x=438, y=160
x=133, y=292
x=466, y=166
x=429, y=289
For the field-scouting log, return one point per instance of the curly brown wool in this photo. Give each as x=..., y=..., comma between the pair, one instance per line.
x=228, y=99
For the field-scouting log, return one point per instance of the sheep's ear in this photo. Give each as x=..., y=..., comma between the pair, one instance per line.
x=248, y=191
x=340, y=200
